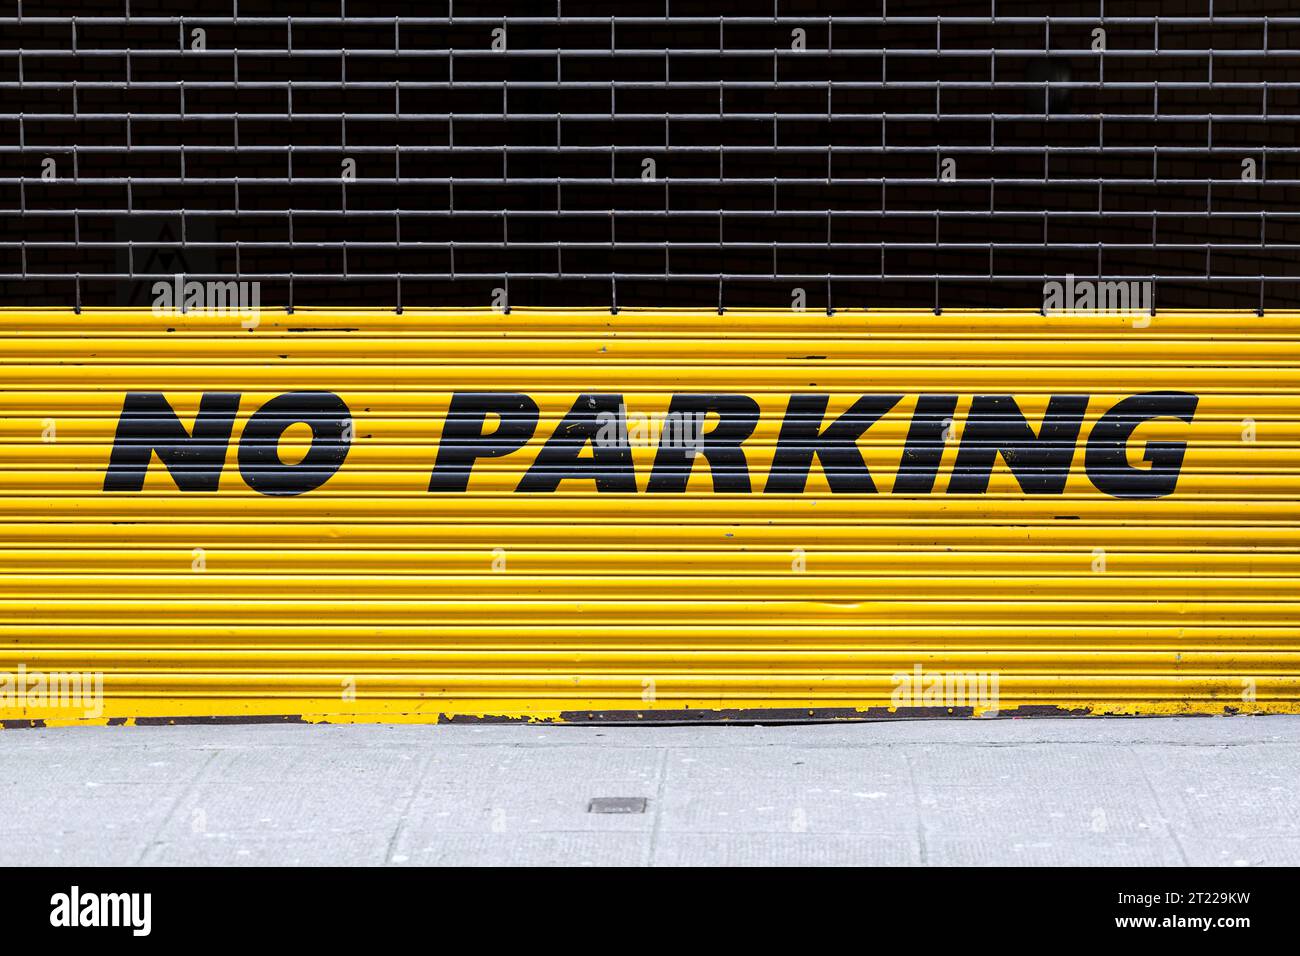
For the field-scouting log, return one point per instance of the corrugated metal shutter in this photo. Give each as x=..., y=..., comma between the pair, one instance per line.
x=370, y=596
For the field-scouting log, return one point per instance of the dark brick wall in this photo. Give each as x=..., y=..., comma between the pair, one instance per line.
x=1060, y=225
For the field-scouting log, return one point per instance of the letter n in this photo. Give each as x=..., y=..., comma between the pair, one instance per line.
x=1040, y=463
x=149, y=425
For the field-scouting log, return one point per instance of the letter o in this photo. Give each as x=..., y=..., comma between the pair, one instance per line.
x=259, y=446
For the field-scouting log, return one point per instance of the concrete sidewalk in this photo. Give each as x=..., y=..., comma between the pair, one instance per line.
x=1185, y=791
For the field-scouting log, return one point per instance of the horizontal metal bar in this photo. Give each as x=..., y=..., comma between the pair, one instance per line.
x=658, y=53
x=656, y=85
x=1063, y=215
x=1234, y=19
x=710, y=181
x=635, y=244
x=819, y=150
x=676, y=117
x=650, y=276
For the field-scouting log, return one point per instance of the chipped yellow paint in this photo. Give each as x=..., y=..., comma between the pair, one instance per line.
x=370, y=598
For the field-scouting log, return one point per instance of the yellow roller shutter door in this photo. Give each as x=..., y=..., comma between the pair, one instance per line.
x=576, y=515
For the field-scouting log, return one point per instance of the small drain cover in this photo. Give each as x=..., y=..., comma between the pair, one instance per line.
x=616, y=805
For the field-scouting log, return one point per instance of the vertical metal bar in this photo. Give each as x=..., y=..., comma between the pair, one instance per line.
x=451, y=143
x=938, y=113
x=559, y=145
x=613, y=217
x=1263, y=175
x=293, y=256
x=721, y=171
x=830, y=161
x=1155, y=159
x=397, y=167
x=776, y=137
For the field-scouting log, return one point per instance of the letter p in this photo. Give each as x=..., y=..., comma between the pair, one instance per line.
x=463, y=441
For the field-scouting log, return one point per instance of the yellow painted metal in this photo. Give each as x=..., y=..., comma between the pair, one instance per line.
x=370, y=598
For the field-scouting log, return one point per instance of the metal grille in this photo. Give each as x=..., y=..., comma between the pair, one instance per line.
x=868, y=153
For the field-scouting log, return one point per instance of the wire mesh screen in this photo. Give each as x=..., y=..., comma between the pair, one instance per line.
x=873, y=153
